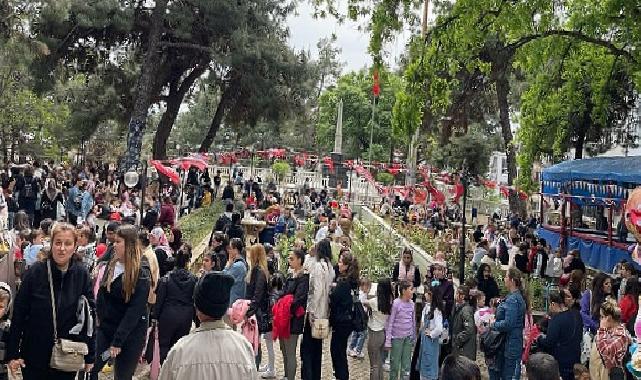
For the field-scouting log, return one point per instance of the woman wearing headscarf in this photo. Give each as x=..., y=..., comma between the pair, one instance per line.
x=160, y=245
x=122, y=306
x=49, y=201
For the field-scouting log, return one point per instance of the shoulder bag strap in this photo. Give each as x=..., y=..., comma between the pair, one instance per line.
x=53, y=303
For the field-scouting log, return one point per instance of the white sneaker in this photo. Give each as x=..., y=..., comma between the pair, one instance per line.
x=351, y=352
x=268, y=374
x=361, y=355
x=386, y=367
x=264, y=368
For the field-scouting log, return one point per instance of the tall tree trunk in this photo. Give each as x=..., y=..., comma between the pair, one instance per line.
x=583, y=129
x=159, y=148
x=138, y=120
x=174, y=100
x=578, y=146
x=225, y=101
x=502, y=92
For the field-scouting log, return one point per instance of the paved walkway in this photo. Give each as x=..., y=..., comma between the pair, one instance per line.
x=358, y=368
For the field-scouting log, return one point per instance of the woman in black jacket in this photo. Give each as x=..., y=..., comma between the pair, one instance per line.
x=31, y=335
x=122, y=306
x=219, y=255
x=564, y=334
x=236, y=230
x=174, y=307
x=298, y=286
x=486, y=283
x=49, y=200
x=257, y=290
x=340, y=315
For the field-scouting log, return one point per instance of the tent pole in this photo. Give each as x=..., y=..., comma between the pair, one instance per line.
x=610, y=225
x=541, y=204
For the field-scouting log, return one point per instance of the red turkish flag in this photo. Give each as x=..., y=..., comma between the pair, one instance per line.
x=458, y=191
x=376, y=88
x=329, y=162
x=523, y=195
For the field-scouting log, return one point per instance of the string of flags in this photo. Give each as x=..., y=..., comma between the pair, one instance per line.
x=301, y=159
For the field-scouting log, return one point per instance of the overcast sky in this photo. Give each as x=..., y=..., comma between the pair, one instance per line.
x=305, y=31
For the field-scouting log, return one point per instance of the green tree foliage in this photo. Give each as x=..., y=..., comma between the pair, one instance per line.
x=471, y=150
x=385, y=178
x=488, y=44
x=355, y=90
x=280, y=169
x=30, y=124
x=580, y=94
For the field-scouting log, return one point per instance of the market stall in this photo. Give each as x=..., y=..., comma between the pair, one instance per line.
x=582, y=205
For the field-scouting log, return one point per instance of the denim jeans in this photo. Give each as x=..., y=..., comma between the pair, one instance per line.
x=400, y=357
x=510, y=369
x=358, y=341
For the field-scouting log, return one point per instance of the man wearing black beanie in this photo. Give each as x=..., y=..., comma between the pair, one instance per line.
x=212, y=351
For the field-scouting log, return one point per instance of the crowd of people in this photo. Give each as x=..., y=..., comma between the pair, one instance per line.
x=85, y=303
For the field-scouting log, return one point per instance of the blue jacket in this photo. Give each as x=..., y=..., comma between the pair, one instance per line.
x=510, y=319
x=237, y=270
x=87, y=204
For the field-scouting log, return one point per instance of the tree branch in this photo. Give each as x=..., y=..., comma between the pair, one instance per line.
x=191, y=78
x=574, y=34
x=186, y=45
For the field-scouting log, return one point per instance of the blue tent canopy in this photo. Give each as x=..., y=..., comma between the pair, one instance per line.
x=602, y=169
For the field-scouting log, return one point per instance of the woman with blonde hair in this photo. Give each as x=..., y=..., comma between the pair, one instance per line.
x=257, y=292
x=33, y=328
x=122, y=306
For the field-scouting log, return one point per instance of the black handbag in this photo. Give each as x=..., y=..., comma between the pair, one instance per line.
x=492, y=343
x=264, y=321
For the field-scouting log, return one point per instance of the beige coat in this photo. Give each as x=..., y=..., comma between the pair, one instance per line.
x=321, y=276
x=213, y=352
x=150, y=255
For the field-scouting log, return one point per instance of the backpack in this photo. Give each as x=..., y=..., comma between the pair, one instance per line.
x=359, y=315
x=222, y=224
x=29, y=189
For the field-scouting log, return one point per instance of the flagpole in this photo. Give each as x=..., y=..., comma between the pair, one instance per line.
x=375, y=93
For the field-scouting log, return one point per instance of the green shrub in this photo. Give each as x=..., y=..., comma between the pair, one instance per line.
x=197, y=225
x=385, y=178
x=280, y=169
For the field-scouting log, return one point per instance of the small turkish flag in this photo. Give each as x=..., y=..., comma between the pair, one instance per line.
x=376, y=88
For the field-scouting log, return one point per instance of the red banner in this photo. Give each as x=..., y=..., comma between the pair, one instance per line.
x=166, y=171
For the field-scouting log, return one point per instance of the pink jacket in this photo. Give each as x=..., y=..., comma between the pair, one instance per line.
x=248, y=326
